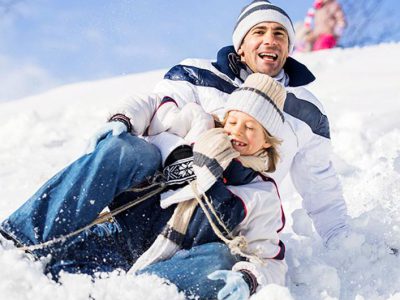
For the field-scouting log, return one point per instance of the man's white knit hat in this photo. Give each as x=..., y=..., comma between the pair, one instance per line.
x=261, y=97
x=257, y=12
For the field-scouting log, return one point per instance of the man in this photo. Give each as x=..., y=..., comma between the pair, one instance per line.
x=263, y=38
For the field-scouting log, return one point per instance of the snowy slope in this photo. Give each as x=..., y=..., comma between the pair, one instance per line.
x=360, y=89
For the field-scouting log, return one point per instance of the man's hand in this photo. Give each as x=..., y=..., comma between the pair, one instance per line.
x=235, y=287
x=114, y=127
x=178, y=170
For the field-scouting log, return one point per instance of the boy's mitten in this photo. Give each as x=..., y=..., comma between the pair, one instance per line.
x=236, y=286
x=212, y=153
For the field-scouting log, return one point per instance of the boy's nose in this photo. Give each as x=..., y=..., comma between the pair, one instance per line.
x=236, y=131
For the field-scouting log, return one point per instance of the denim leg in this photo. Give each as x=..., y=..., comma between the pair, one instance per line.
x=188, y=269
x=142, y=223
x=98, y=249
x=76, y=195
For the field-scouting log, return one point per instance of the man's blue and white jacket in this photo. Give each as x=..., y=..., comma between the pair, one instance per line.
x=306, y=148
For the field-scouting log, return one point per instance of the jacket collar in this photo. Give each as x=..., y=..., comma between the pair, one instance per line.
x=293, y=74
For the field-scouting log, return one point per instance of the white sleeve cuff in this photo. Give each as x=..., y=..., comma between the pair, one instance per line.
x=244, y=265
x=166, y=143
x=273, y=272
x=205, y=179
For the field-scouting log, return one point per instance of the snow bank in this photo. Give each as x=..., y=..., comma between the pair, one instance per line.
x=360, y=91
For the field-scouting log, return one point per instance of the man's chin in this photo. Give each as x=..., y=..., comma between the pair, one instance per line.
x=269, y=70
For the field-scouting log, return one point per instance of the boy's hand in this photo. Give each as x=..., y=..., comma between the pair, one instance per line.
x=212, y=153
x=235, y=287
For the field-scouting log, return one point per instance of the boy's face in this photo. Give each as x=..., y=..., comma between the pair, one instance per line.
x=265, y=48
x=247, y=134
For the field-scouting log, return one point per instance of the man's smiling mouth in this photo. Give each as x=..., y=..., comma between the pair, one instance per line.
x=268, y=56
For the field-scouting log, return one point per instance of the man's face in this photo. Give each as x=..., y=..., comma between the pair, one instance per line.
x=265, y=48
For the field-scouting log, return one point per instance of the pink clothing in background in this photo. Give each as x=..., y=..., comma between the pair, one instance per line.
x=324, y=41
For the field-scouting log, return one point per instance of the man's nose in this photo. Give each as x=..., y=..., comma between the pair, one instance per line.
x=268, y=38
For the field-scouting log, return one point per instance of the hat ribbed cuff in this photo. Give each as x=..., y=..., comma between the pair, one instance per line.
x=259, y=16
x=257, y=106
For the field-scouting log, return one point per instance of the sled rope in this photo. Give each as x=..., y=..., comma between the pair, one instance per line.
x=237, y=244
x=156, y=180
x=103, y=217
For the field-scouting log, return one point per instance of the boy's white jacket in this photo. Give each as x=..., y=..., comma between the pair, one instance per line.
x=305, y=151
x=263, y=221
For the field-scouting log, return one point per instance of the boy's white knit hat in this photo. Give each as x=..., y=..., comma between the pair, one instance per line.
x=257, y=12
x=261, y=97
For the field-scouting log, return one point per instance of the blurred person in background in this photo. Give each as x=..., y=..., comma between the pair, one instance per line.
x=322, y=28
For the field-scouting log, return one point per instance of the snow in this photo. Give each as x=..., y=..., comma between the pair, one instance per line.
x=360, y=91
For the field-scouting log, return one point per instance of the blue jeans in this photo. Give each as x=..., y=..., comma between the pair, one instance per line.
x=76, y=195
x=188, y=269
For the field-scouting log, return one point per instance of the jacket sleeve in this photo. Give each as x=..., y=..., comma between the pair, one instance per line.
x=187, y=122
x=316, y=180
x=261, y=226
x=140, y=109
x=181, y=91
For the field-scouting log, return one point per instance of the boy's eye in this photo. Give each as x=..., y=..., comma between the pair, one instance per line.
x=249, y=128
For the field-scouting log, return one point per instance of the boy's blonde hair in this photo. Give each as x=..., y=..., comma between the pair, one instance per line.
x=272, y=152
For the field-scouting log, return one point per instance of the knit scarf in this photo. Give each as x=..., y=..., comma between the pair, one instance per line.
x=167, y=243
x=258, y=161
x=282, y=78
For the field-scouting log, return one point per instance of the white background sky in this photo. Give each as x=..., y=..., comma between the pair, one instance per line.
x=44, y=43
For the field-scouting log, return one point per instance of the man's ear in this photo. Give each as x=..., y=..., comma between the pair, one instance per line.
x=240, y=51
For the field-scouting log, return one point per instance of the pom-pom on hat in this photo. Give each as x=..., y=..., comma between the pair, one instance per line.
x=257, y=12
x=261, y=97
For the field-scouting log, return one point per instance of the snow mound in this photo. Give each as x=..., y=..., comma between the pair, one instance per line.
x=42, y=134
